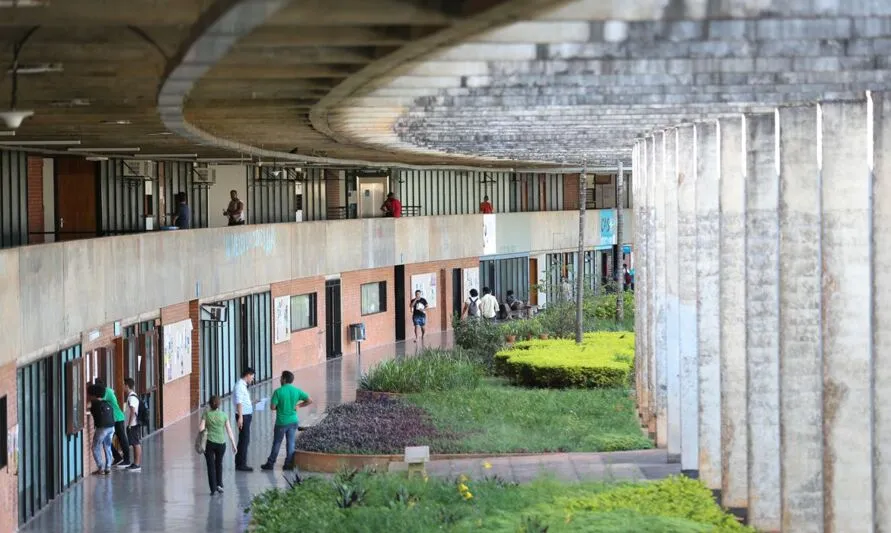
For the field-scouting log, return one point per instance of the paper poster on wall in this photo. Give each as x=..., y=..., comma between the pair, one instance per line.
x=471, y=281
x=489, y=245
x=12, y=449
x=177, y=350
x=426, y=283
x=282, y=306
x=607, y=227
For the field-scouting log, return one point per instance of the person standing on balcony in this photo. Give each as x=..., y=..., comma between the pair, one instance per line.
x=419, y=315
x=235, y=211
x=486, y=206
x=392, y=207
x=183, y=218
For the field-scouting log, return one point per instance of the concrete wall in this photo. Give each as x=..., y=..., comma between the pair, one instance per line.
x=53, y=292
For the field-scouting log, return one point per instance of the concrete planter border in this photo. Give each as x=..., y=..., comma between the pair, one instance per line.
x=332, y=462
x=373, y=395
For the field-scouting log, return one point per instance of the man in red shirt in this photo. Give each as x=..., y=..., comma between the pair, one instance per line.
x=486, y=207
x=392, y=207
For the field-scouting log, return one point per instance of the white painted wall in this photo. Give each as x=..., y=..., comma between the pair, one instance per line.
x=228, y=177
x=49, y=198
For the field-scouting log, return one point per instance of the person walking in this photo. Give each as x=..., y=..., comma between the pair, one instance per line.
x=285, y=401
x=488, y=304
x=103, y=421
x=134, y=431
x=122, y=458
x=183, y=217
x=419, y=314
x=472, y=305
x=216, y=423
x=244, y=413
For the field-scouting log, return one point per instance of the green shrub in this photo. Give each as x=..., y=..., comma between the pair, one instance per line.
x=674, y=497
x=604, y=359
x=479, y=338
x=598, y=312
x=431, y=370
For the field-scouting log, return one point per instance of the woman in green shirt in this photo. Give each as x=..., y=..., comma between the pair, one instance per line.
x=216, y=423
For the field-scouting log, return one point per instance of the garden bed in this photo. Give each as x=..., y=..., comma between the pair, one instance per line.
x=603, y=360
x=493, y=418
x=362, y=502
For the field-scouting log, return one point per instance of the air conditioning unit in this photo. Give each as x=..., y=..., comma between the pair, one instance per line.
x=138, y=170
x=204, y=175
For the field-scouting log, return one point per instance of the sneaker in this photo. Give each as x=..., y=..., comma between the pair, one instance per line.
x=244, y=469
x=134, y=468
x=121, y=465
x=220, y=490
x=116, y=462
x=99, y=472
x=267, y=466
x=106, y=472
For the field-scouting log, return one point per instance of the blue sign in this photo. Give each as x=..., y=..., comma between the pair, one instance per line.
x=626, y=249
x=607, y=226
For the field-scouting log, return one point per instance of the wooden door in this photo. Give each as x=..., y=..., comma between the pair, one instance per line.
x=533, y=281
x=75, y=198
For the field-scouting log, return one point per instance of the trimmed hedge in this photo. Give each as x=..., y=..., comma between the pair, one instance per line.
x=603, y=360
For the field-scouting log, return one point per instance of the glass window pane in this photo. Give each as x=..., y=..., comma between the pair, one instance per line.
x=303, y=311
x=371, y=298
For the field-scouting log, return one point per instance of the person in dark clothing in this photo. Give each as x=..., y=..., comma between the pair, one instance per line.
x=183, y=218
x=122, y=458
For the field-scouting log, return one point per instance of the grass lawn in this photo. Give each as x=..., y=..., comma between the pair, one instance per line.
x=499, y=418
x=391, y=503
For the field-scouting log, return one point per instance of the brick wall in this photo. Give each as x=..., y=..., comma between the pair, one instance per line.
x=380, y=328
x=306, y=347
x=195, y=376
x=439, y=318
x=571, y=192
x=35, y=198
x=8, y=482
x=177, y=393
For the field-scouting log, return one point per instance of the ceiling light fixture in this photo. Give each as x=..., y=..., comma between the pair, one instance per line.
x=23, y=3
x=224, y=160
x=96, y=158
x=166, y=156
x=39, y=143
x=115, y=122
x=74, y=102
x=7, y=134
x=42, y=68
x=158, y=134
x=109, y=150
x=14, y=117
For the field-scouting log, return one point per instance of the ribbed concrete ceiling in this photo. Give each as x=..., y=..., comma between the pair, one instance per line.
x=429, y=81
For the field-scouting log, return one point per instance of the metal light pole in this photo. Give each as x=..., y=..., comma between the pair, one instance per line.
x=620, y=204
x=580, y=260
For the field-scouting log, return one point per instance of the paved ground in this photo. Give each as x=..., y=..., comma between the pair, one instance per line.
x=171, y=494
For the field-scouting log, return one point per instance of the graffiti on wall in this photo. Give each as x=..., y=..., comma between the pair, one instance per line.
x=238, y=244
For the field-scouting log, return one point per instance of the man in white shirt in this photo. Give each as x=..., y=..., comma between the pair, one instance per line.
x=488, y=304
x=244, y=412
x=134, y=432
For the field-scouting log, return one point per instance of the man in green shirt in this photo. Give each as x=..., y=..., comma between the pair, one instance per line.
x=122, y=458
x=285, y=401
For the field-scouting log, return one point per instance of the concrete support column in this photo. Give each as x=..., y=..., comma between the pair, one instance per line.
x=688, y=348
x=650, y=282
x=640, y=268
x=660, y=292
x=880, y=124
x=671, y=266
x=847, y=322
x=801, y=382
x=708, y=309
x=762, y=305
x=734, y=424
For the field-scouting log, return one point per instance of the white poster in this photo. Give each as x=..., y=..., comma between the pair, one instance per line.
x=471, y=281
x=489, y=244
x=426, y=283
x=282, y=319
x=177, y=350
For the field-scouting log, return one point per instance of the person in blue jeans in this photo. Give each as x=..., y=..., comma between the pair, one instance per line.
x=285, y=401
x=103, y=419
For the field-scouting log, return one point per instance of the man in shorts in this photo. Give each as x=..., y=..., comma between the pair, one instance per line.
x=134, y=431
x=419, y=314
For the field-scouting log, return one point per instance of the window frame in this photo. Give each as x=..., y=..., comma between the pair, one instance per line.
x=382, y=297
x=313, y=311
x=75, y=406
x=4, y=424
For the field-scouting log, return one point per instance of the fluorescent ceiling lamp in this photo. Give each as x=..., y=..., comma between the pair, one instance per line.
x=36, y=69
x=121, y=122
x=166, y=156
x=158, y=134
x=23, y=3
x=110, y=150
x=7, y=133
x=224, y=159
x=39, y=143
x=96, y=158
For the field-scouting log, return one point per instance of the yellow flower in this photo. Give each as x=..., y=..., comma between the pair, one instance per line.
x=468, y=495
x=462, y=478
x=487, y=465
x=462, y=487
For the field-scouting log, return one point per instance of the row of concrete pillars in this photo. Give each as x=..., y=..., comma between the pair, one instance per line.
x=764, y=310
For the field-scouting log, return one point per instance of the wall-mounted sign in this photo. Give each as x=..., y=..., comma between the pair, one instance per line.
x=426, y=283
x=177, y=350
x=607, y=227
x=471, y=280
x=282, y=308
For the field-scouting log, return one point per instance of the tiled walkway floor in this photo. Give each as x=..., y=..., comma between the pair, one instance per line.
x=171, y=494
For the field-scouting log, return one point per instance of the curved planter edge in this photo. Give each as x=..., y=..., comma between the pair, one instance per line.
x=371, y=396
x=332, y=462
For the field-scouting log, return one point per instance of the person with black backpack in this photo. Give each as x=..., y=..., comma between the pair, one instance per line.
x=472, y=305
x=103, y=419
x=137, y=417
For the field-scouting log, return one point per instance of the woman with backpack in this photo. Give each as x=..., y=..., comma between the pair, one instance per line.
x=215, y=424
x=103, y=419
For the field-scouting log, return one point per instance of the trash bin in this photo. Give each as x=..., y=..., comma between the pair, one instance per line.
x=357, y=332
